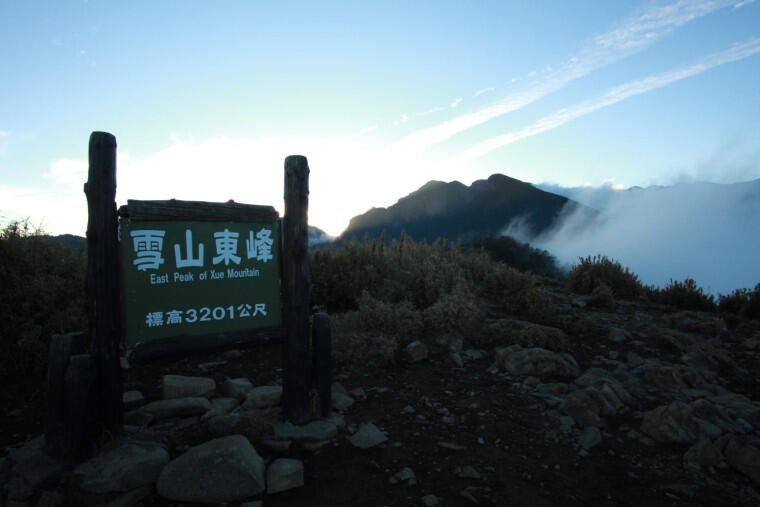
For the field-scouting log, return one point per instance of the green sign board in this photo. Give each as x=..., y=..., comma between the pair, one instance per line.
x=198, y=278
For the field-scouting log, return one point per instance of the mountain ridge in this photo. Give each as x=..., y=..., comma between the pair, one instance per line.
x=455, y=211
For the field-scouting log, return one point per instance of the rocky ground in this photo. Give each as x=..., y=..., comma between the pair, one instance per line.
x=635, y=406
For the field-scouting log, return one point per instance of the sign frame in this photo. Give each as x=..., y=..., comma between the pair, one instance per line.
x=200, y=211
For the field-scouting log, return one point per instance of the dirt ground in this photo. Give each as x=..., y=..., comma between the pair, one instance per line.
x=501, y=430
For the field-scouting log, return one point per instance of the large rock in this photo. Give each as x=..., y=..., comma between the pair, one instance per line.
x=178, y=386
x=702, y=454
x=226, y=469
x=178, y=407
x=368, y=436
x=743, y=454
x=671, y=423
x=284, y=474
x=684, y=423
x=536, y=361
x=33, y=464
x=129, y=466
x=263, y=396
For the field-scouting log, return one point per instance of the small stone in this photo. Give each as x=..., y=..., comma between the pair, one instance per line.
x=220, y=406
x=590, y=437
x=341, y=401
x=211, y=365
x=263, y=396
x=132, y=399
x=236, y=388
x=452, y=446
x=231, y=354
x=429, y=500
x=284, y=474
x=315, y=431
x=405, y=475
x=467, y=472
x=315, y=446
x=178, y=386
x=368, y=436
x=456, y=359
x=176, y=407
x=358, y=393
x=416, y=351
x=408, y=409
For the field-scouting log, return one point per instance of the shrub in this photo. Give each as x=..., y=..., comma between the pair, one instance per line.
x=457, y=312
x=684, y=295
x=591, y=272
x=521, y=256
x=398, y=320
x=602, y=297
x=42, y=293
x=741, y=302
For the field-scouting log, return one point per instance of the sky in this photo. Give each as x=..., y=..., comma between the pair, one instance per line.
x=206, y=99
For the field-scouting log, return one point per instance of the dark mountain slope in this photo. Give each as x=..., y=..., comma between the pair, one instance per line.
x=457, y=212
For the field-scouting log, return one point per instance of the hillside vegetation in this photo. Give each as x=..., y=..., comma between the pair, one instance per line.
x=381, y=296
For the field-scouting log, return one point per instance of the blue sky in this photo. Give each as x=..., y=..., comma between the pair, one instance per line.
x=207, y=98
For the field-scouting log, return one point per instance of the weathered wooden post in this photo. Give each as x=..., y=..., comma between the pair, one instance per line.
x=322, y=343
x=80, y=410
x=103, y=288
x=62, y=347
x=296, y=281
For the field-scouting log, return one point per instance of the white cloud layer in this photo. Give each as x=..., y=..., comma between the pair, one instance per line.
x=706, y=231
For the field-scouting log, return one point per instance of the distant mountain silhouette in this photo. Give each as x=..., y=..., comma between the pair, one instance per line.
x=457, y=212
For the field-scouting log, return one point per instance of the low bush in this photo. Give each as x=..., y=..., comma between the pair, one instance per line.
x=686, y=295
x=41, y=294
x=742, y=302
x=591, y=272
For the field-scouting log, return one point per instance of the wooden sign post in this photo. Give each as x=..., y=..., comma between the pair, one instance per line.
x=296, y=278
x=103, y=287
x=177, y=277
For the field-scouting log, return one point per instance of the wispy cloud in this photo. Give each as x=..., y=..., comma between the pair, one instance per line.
x=456, y=102
x=4, y=133
x=404, y=119
x=632, y=35
x=622, y=92
x=741, y=4
x=362, y=131
x=484, y=90
x=431, y=110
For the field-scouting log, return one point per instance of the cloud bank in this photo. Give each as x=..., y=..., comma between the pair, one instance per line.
x=707, y=231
